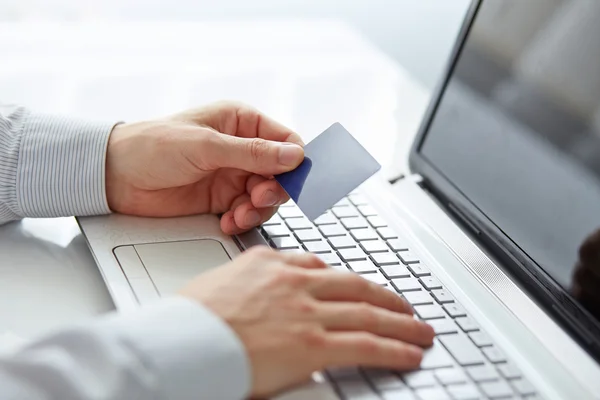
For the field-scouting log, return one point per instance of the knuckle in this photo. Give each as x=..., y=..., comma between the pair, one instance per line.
x=368, y=316
x=369, y=346
x=293, y=277
x=313, y=337
x=258, y=148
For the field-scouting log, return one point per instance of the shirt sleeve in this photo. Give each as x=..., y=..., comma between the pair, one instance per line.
x=51, y=166
x=175, y=349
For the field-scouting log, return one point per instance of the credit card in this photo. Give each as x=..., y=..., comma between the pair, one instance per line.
x=335, y=164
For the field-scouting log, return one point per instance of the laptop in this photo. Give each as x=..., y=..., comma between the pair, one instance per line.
x=493, y=236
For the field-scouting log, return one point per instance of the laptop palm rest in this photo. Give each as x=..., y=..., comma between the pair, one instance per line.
x=161, y=269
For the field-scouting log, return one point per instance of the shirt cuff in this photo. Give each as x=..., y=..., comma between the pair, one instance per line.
x=61, y=167
x=194, y=353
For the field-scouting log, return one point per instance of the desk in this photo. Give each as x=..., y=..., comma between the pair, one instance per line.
x=306, y=74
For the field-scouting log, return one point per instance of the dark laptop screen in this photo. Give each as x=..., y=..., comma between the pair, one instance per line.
x=517, y=131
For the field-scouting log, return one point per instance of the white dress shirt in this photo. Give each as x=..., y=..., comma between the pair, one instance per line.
x=176, y=349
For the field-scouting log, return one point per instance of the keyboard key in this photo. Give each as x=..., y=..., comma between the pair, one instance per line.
x=376, y=222
x=523, y=387
x=408, y=257
x=384, y=258
x=397, y=245
x=342, y=202
x=481, y=339
x=341, y=268
x=509, y=371
x=462, y=349
x=356, y=390
x=318, y=247
x=418, y=298
x=274, y=231
x=375, y=277
x=288, y=242
x=343, y=212
x=275, y=220
x=406, y=284
x=395, y=271
x=387, y=233
x=494, y=354
x=442, y=326
x=447, y=376
x=307, y=235
x=332, y=230
x=467, y=324
x=435, y=393
x=326, y=219
x=383, y=379
x=463, y=392
x=355, y=254
x=436, y=357
x=290, y=212
x=399, y=394
x=442, y=296
x=358, y=200
x=374, y=246
x=298, y=223
x=295, y=251
x=418, y=379
x=354, y=223
x=362, y=266
x=367, y=211
x=342, y=242
x=330, y=258
x=455, y=310
x=430, y=282
x=496, y=390
x=364, y=234
x=481, y=373
x=419, y=270
x=431, y=311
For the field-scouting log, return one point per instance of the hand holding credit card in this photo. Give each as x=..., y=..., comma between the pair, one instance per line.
x=334, y=164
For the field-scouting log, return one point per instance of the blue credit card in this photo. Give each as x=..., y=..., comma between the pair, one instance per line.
x=334, y=165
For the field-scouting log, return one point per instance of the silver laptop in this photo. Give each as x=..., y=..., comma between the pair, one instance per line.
x=492, y=237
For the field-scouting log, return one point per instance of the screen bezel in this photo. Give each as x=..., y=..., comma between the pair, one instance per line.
x=557, y=301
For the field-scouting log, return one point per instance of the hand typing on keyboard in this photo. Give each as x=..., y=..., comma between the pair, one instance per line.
x=294, y=316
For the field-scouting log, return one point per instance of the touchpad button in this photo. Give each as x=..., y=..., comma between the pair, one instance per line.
x=171, y=265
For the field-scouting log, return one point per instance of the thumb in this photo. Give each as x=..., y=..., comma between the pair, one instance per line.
x=256, y=155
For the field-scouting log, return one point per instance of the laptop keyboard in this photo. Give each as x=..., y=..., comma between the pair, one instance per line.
x=463, y=364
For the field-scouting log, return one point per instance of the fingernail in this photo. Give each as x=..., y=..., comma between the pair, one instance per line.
x=415, y=353
x=427, y=330
x=252, y=218
x=269, y=199
x=290, y=154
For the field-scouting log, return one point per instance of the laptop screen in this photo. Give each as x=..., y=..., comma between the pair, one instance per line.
x=517, y=132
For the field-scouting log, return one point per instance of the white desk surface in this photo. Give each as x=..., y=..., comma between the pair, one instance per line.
x=307, y=74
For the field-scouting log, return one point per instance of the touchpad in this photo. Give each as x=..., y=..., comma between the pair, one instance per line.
x=171, y=265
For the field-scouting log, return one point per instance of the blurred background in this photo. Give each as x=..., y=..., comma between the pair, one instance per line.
x=416, y=33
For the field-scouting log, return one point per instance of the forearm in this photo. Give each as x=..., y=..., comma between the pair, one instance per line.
x=175, y=349
x=51, y=166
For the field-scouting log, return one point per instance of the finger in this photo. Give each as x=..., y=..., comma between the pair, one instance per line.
x=379, y=321
x=246, y=216
x=238, y=119
x=252, y=123
x=337, y=286
x=228, y=225
x=344, y=349
x=256, y=155
x=303, y=260
x=268, y=193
